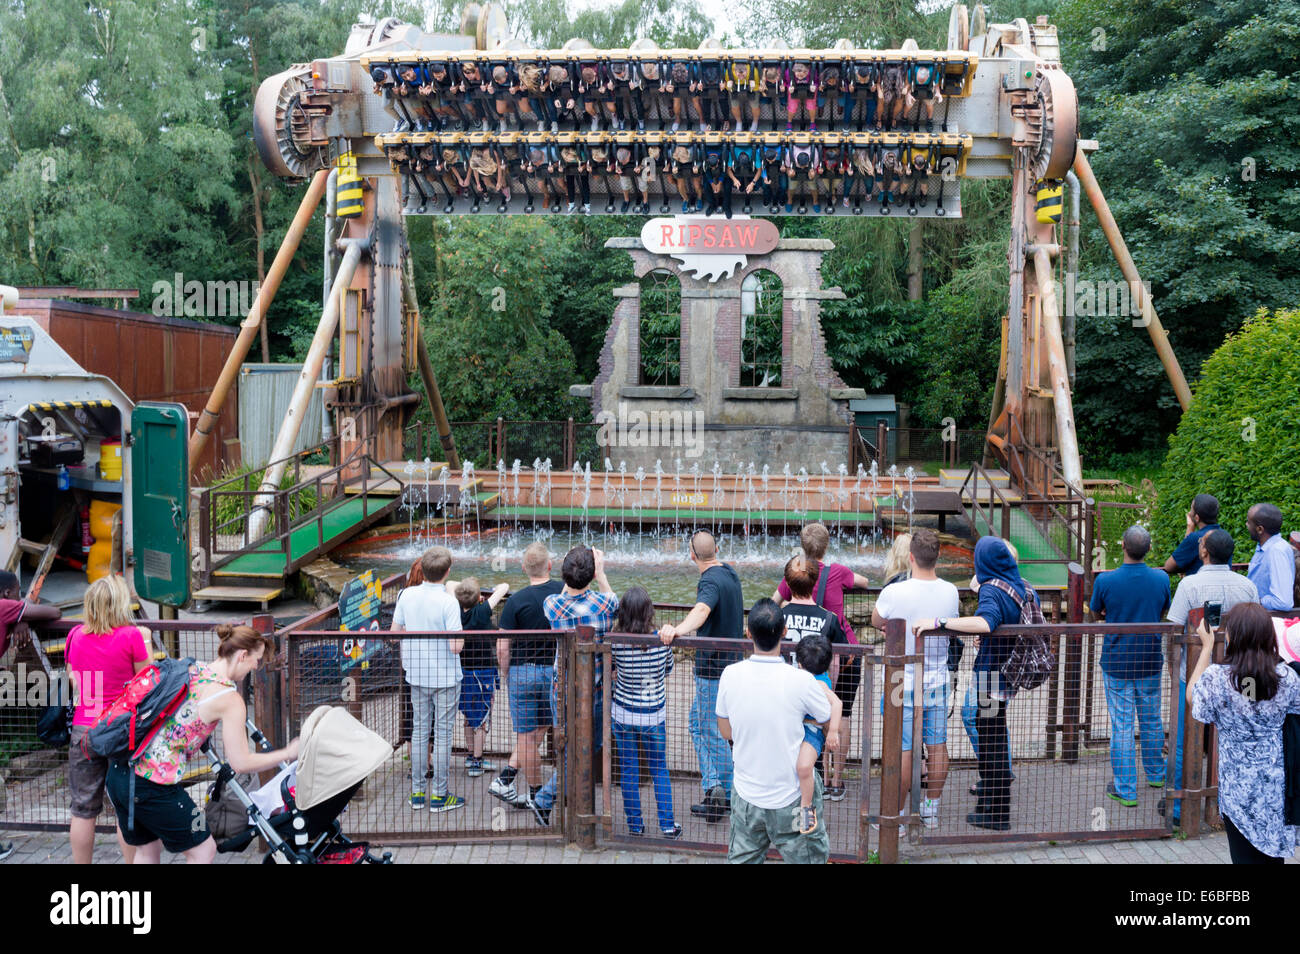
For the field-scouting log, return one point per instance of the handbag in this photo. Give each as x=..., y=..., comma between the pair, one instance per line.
x=54, y=727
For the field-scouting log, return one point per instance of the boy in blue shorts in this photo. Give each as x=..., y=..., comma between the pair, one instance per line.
x=814, y=655
x=479, y=664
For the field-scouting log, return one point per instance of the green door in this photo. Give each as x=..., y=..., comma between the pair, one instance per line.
x=160, y=501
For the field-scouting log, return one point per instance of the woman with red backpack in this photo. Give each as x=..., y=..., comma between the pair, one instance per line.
x=153, y=809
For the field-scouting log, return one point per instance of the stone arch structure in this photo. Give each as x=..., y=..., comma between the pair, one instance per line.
x=803, y=418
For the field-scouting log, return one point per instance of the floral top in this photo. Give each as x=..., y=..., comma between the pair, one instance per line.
x=1251, y=768
x=183, y=735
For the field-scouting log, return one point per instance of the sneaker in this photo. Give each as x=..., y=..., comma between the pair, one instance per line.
x=473, y=767
x=505, y=791
x=572, y=206
x=1113, y=793
x=807, y=820
x=417, y=801
x=1161, y=809
x=834, y=793
x=543, y=815
x=672, y=834
x=586, y=209
x=1159, y=784
x=686, y=207
x=7, y=849
x=930, y=812
x=676, y=126
x=445, y=803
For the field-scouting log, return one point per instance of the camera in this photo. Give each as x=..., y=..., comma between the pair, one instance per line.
x=1213, y=614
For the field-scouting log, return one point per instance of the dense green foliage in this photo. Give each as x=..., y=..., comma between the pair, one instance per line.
x=1196, y=106
x=126, y=156
x=1239, y=439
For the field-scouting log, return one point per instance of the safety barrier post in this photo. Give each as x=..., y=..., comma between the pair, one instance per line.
x=585, y=795
x=891, y=745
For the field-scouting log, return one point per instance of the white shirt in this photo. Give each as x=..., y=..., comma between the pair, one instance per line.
x=428, y=663
x=766, y=700
x=913, y=600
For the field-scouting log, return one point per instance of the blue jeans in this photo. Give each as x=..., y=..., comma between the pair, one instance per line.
x=1124, y=699
x=711, y=748
x=546, y=794
x=969, y=709
x=654, y=740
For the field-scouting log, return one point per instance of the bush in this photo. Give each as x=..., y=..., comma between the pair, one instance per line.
x=228, y=508
x=1239, y=439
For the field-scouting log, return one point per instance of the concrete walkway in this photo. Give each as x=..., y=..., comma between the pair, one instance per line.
x=52, y=848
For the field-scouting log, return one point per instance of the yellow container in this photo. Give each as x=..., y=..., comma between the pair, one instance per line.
x=110, y=460
x=100, y=561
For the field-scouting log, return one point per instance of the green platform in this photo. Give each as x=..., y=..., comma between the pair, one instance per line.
x=1031, y=544
x=268, y=560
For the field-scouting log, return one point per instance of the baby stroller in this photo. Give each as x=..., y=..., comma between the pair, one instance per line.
x=337, y=754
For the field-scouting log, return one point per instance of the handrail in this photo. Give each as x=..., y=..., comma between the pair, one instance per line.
x=281, y=500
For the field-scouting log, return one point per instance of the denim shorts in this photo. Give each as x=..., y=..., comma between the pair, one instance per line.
x=476, y=690
x=934, y=717
x=814, y=736
x=530, y=697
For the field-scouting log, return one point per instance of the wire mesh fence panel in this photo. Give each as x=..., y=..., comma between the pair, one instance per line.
x=671, y=772
x=1047, y=776
x=35, y=791
x=441, y=701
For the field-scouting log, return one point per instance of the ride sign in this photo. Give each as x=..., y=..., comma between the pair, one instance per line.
x=710, y=248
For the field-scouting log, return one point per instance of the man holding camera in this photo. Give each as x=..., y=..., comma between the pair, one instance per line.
x=1201, y=519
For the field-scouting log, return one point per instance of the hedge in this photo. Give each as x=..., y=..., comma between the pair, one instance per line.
x=1240, y=439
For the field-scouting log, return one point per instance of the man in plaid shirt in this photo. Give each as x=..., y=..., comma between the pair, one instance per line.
x=578, y=605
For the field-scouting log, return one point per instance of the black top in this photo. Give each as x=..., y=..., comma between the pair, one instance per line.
x=719, y=588
x=803, y=620
x=524, y=611
x=480, y=652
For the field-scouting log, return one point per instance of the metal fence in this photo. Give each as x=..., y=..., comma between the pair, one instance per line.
x=369, y=677
x=33, y=776
x=1059, y=735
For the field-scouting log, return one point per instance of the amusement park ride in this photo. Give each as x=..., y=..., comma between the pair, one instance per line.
x=373, y=131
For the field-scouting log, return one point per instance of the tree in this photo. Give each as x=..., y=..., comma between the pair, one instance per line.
x=1191, y=102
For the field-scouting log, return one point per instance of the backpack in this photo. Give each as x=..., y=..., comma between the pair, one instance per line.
x=125, y=729
x=1033, y=658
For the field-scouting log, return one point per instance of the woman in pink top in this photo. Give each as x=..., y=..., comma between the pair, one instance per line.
x=165, y=815
x=102, y=655
x=833, y=579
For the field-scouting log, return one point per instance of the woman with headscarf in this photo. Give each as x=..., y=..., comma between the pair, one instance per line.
x=1001, y=591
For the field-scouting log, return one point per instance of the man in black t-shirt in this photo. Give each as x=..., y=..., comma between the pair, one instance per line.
x=803, y=617
x=479, y=667
x=529, y=662
x=718, y=613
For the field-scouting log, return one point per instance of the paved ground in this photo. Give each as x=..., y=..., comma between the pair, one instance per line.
x=52, y=848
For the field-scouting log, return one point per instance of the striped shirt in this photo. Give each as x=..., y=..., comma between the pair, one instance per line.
x=640, y=683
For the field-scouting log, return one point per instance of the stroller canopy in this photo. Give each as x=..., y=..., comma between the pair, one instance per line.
x=337, y=752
